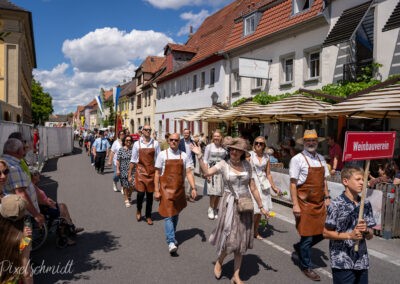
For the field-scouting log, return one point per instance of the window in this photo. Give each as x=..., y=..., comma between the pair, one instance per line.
x=301, y=5
x=236, y=82
x=202, y=80
x=212, y=76
x=132, y=103
x=187, y=83
x=164, y=93
x=139, y=80
x=256, y=83
x=149, y=98
x=287, y=70
x=145, y=99
x=139, y=102
x=250, y=24
x=194, y=83
x=313, y=65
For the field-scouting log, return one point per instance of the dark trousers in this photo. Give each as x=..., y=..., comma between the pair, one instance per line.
x=305, y=245
x=349, y=276
x=149, y=202
x=100, y=161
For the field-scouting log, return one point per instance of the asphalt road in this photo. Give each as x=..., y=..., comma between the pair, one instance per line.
x=115, y=248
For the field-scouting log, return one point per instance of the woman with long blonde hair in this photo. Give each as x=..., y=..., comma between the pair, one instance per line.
x=214, y=153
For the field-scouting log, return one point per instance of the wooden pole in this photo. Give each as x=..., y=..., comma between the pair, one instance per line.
x=363, y=195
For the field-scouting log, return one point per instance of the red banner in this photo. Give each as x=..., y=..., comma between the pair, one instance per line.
x=368, y=145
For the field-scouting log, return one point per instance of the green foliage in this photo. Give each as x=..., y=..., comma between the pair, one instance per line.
x=42, y=104
x=345, y=89
x=111, y=117
x=263, y=98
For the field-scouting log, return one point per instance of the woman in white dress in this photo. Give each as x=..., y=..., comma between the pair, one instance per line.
x=214, y=153
x=262, y=179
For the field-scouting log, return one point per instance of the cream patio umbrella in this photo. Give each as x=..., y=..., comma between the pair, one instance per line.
x=200, y=114
x=383, y=102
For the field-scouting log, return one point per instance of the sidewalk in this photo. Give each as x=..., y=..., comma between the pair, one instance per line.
x=387, y=250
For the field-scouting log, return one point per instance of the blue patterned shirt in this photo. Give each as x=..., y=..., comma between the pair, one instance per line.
x=343, y=217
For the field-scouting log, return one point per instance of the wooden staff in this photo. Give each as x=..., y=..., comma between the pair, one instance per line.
x=363, y=195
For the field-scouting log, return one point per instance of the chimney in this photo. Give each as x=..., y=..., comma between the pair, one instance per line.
x=190, y=31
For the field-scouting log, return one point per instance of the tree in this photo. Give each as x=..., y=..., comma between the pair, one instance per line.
x=42, y=104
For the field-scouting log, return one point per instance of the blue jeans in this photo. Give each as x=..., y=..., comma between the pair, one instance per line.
x=170, y=228
x=350, y=276
x=115, y=177
x=305, y=245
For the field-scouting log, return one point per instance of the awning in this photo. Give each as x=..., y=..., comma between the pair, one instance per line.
x=203, y=113
x=380, y=103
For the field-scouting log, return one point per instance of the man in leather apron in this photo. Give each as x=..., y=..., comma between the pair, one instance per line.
x=308, y=187
x=171, y=167
x=144, y=155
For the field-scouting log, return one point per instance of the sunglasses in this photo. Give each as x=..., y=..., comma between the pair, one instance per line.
x=173, y=140
x=146, y=129
x=259, y=143
x=5, y=172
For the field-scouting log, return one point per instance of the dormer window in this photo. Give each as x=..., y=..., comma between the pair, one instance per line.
x=301, y=5
x=250, y=23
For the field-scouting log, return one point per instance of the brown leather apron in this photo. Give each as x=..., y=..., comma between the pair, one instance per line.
x=310, y=196
x=144, y=176
x=172, y=188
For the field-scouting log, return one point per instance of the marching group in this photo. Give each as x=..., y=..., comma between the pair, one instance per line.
x=238, y=182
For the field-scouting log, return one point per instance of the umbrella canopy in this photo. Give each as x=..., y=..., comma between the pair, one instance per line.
x=380, y=103
x=202, y=113
x=293, y=108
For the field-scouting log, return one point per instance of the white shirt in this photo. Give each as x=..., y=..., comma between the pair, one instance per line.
x=151, y=144
x=298, y=168
x=115, y=148
x=188, y=150
x=172, y=155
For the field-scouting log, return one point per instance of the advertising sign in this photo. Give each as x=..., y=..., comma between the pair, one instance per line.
x=368, y=145
x=253, y=68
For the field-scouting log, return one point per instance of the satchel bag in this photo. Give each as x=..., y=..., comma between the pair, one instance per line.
x=245, y=204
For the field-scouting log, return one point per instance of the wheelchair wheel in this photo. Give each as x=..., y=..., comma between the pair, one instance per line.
x=39, y=235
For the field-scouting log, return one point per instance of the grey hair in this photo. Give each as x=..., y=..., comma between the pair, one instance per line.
x=12, y=145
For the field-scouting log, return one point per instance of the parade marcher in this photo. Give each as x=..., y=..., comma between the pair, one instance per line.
x=309, y=190
x=124, y=155
x=184, y=146
x=144, y=155
x=343, y=228
x=335, y=154
x=214, y=153
x=260, y=162
x=92, y=136
x=112, y=158
x=234, y=232
x=171, y=167
x=100, y=150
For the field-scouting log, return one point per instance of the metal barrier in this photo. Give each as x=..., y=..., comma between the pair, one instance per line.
x=54, y=141
x=390, y=216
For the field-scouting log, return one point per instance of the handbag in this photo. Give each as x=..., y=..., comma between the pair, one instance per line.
x=244, y=203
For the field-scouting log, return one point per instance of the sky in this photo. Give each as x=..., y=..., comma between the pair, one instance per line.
x=84, y=45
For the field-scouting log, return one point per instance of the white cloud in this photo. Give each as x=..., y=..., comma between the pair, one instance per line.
x=194, y=20
x=102, y=58
x=176, y=4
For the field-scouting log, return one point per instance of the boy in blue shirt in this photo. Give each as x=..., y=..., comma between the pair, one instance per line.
x=343, y=229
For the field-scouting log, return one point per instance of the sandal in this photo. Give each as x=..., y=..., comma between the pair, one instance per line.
x=127, y=204
x=258, y=237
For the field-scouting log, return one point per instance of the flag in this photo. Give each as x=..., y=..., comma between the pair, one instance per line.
x=99, y=103
x=116, y=91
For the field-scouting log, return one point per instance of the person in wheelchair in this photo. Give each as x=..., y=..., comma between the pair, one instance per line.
x=55, y=211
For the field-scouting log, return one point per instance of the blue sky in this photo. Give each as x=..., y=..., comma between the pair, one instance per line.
x=84, y=45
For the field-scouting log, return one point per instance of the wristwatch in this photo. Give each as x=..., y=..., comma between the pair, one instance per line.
x=327, y=197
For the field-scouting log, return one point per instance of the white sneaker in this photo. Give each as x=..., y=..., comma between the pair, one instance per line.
x=92, y=164
x=172, y=248
x=122, y=190
x=215, y=213
x=211, y=213
x=115, y=187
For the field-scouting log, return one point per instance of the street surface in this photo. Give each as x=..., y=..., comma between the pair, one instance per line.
x=115, y=248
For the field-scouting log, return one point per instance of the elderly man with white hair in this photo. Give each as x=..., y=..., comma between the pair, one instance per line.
x=18, y=182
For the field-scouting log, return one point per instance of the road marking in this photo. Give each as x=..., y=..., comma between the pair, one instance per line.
x=372, y=252
x=289, y=253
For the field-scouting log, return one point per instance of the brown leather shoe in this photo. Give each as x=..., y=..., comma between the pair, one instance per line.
x=311, y=274
x=149, y=221
x=138, y=216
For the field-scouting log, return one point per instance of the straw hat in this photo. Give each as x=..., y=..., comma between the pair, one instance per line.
x=236, y=143
x=13, y=207
x=310, y=134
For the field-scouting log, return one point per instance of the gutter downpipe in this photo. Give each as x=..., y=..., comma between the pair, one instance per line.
x=229, y=98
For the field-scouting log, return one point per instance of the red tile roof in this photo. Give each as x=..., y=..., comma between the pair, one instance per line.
x=151, y=64
x=274, y=19
x=180, y=47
